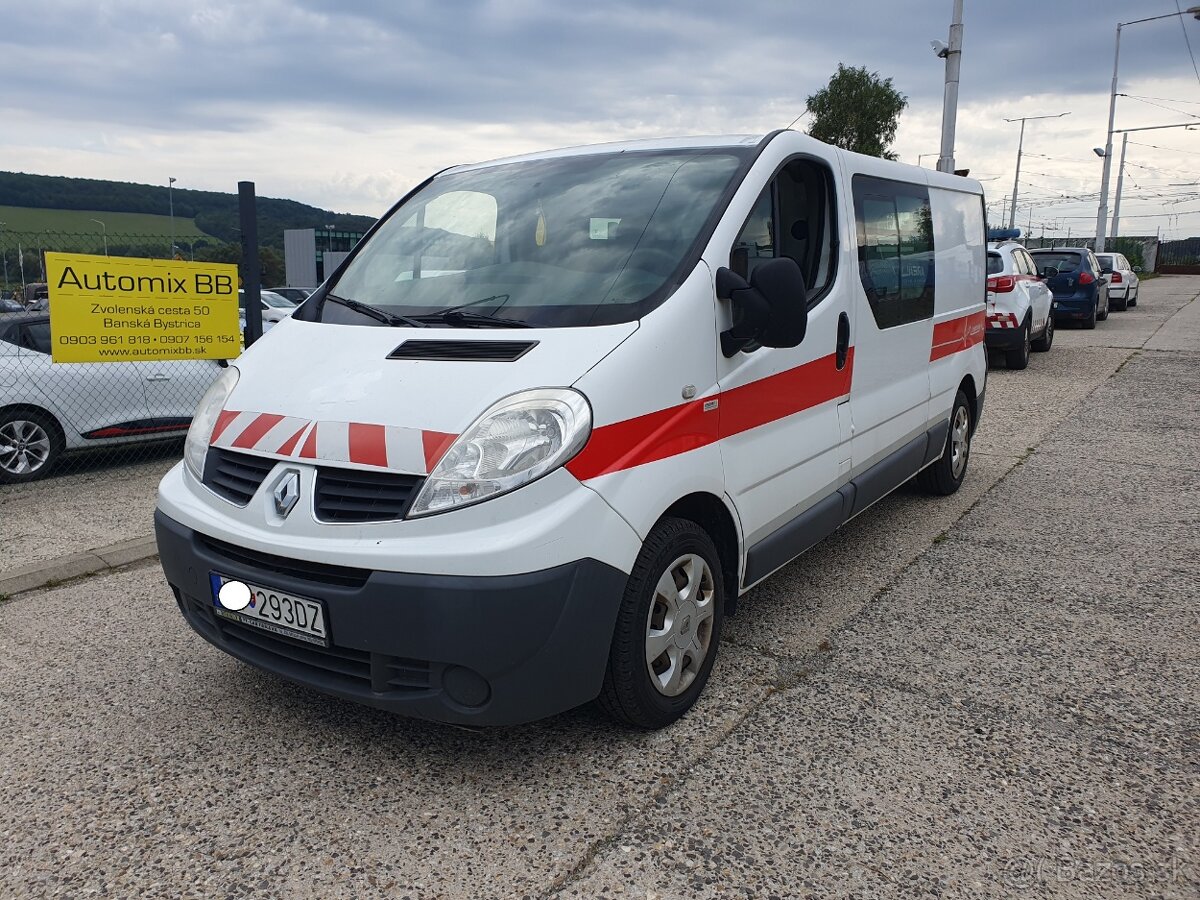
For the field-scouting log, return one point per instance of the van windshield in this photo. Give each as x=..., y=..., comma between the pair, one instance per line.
x=581, y=240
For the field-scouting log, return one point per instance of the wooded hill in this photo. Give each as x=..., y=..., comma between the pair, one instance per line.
x=214, y=212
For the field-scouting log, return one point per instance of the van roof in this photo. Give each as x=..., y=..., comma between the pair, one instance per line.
x=871, y=164
x=696, y=142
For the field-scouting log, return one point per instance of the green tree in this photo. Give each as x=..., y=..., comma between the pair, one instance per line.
x=857, y=110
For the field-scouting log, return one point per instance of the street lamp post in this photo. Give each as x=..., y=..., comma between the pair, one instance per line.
x=104, y=233
x=1102, y=212
x=1120, y=181
x=1012, y=213
x=952, y=53
x=171, y=207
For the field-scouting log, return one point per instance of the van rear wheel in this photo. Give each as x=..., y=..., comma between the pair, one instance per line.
x=946, y=475
x=668, y=627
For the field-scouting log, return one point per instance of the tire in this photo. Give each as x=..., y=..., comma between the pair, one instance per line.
x=657, y=612
x=1018, y=358
x=1103, y=316
x=946, y=475
x=1090, y=322
x=1122, y=304
x=1134, y=298
x=30, y=444
x=1046, y=341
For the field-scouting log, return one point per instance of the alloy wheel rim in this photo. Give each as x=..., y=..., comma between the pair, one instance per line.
x=679, y=624
x=960, y=442
x=24, y=447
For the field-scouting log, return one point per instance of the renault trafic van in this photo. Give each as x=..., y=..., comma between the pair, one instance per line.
x=555, y=414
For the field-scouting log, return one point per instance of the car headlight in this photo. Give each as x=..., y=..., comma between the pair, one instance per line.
x=519, y=439
x=205, y=419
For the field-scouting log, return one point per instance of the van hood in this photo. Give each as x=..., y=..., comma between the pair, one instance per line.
x=391, y=398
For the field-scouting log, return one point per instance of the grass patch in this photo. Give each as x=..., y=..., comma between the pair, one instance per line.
x=79, y=221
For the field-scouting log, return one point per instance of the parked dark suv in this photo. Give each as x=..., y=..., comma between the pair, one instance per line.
x=1080, y=288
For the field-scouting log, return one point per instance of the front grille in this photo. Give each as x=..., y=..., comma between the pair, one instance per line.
x=340, y=576
x=348, y=495
x=356, y=671
x=235, y=476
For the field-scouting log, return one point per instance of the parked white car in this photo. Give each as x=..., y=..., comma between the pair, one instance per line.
x=47, y=408
x=1123, y=281
x=1020, y=306
x=275, y=308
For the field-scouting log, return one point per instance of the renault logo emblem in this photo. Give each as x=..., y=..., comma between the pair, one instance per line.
x=287, y=492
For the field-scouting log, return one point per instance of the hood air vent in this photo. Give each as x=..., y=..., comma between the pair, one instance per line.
x=476, y=351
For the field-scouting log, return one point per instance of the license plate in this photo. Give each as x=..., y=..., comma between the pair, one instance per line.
x=278, y=612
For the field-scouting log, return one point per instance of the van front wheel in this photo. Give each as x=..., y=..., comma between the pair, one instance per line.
x=946, y=475
x=668, y=627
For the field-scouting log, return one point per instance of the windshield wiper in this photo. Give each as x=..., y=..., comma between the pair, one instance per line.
x=387, y=318
x=455, y=315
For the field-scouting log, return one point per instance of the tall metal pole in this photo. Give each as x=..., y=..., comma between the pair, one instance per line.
x=1012, y=217
x=251, y=272
x=950, y=101
x=1012, y=213
x=171, y=205
x=4, y=253
x=1120, y=180
x=1102, y=212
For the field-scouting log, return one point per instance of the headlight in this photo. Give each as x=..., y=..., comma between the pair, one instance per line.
x=517, y=440
x=205, y=419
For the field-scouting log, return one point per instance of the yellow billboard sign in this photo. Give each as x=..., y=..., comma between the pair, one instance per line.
x=114, y=309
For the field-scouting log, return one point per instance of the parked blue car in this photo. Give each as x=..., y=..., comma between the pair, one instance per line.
x=1080, y=289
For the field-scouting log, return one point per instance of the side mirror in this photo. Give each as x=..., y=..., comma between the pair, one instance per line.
x=772, y=309
x=1137, y=268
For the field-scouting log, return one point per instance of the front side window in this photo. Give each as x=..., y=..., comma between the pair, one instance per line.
x=895, y=249
x=795, y=217
x=568, y=241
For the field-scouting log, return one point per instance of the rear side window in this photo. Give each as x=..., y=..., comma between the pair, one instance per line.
x=895, y=249
x=995, y=263
x=1064, y=262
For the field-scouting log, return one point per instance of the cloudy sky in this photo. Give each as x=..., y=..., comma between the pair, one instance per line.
x=347, y=104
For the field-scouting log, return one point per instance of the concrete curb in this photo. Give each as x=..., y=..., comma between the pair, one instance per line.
x=40, y=574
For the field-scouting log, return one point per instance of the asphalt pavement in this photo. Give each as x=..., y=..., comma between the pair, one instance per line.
x=994, y=694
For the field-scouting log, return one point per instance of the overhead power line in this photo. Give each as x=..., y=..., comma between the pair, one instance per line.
x=1188, y=41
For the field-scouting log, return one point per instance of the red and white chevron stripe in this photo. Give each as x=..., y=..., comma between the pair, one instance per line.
x=412, y=450
x=1002, y=320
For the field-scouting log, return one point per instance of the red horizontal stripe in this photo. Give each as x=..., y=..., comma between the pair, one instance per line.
x=678, y=429
x=656, y=435
x=122, y=431
x=368, y=445
x=778, y=396
x=255, y=430
x=955, y=335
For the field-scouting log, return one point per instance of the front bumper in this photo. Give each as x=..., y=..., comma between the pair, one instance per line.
x=472, y=650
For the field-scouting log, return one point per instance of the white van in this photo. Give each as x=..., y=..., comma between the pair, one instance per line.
x=529, y=444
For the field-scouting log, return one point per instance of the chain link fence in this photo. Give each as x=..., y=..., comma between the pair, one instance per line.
x=61, y=418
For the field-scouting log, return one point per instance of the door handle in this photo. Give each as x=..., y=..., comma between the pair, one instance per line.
x=843, y=340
